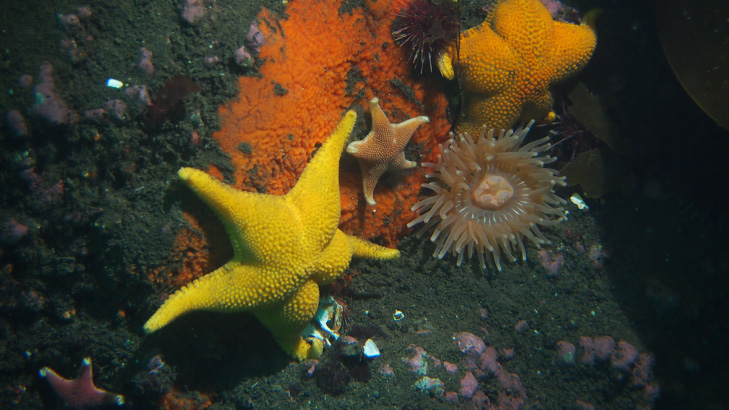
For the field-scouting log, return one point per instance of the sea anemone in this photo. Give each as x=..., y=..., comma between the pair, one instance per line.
x=488, y=195
x=426, y=27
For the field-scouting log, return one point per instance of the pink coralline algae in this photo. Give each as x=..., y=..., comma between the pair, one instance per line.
x=560, y=12
x=48, y=104
x=43, y=192
x=488, y=361
x=16, y=123
x=450, y=367
x=242, y=57
x=650, y=394
x=584, y=405
x=642, y=373
x=469, y=344
x=25, y=80
x=97, y=115
x=386, y=371
x=212, y=60
x=114, y=109
x=84, y=12
x=77, y=39
x=451, y=397
x=625, y=356
x=597, y=256
x=80, y=393
x=511, y=394
x=434, y=387
x=255, y=38
x=193, y=11
x=521, y=326
x=566, y=352
x=597, y=350
x=625, y=361
x=141, y=94
x=32, y=300
x=12, y=232
x=117, y=109
x=71, y=22
x=508, y=353
x=417, y=363
x=145, y=61
x=469, y=384
x=552, y=263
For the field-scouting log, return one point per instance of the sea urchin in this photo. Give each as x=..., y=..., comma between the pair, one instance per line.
x=488, y=194
x=426, y=27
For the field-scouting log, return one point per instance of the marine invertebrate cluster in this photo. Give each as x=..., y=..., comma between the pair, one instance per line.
x=282, y=115
x=284, y=247
x=488, y=194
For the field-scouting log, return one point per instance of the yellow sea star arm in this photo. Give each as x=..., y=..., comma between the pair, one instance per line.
x=368, y=250
x=494, y=70
x=318, y=187
x=258, y=225
x=231, y=288
x=576, y=44
x=288, y=320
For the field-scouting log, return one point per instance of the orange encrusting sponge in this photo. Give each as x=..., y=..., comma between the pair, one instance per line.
x=319, y=62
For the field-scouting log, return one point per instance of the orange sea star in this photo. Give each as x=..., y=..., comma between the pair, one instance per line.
x=383, y=149
x=509, y=62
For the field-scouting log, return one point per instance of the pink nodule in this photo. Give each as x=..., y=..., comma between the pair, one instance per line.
x=417, y=363
x=12, y=232
x=255, y=38
x=598, y=349
x=49, y=105
x=193, y=11
x=521, y=326
x=488, y=361
x=625, y=356
x=145, y=61
x=566, y=352
x=16, y=123
x=551, y=263
x=469, y=343
x=243, y=57
x=469, y=384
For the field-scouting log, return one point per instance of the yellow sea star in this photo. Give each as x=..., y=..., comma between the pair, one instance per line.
x=383, y=148
x=284, y=247
x=510, y=60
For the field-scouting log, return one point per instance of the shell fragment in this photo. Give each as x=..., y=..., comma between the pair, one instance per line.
x=370, y=349
x=113, y=83
x=577, y=200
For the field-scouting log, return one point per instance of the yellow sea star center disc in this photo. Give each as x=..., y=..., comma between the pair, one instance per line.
x=492, y=192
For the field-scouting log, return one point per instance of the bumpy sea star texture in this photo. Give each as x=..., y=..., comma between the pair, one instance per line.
x=509, y=62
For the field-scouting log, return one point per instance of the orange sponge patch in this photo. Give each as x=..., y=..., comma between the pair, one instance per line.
x=318, y=62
